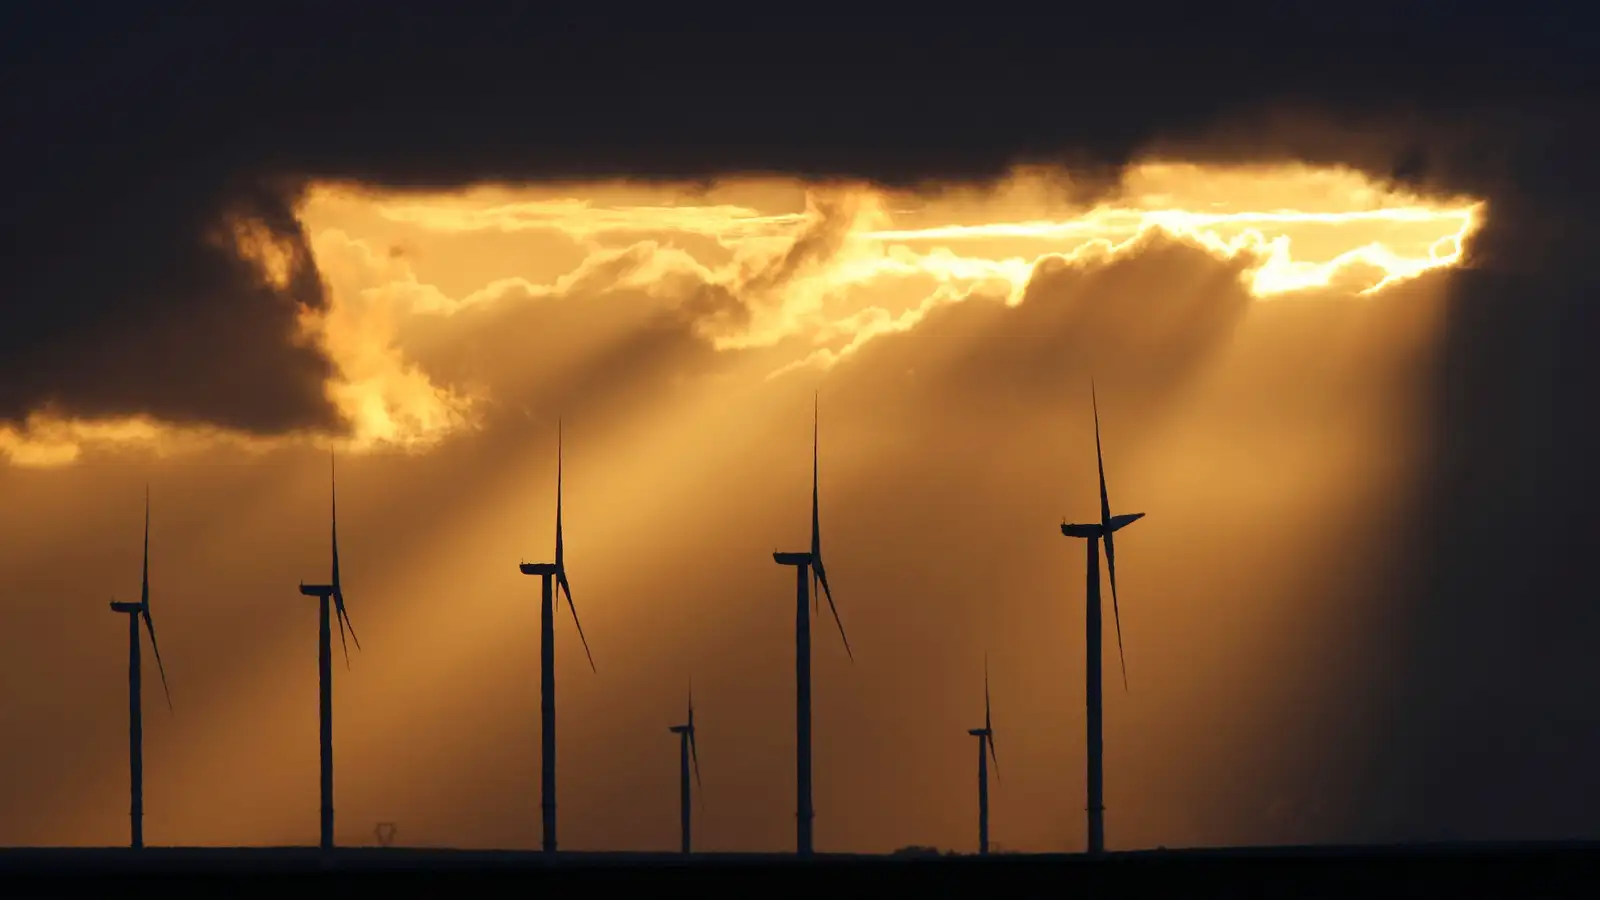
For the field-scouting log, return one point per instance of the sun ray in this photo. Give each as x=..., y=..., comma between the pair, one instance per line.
x=835, y=266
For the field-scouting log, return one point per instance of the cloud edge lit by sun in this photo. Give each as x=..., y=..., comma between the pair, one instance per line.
x=787, y=269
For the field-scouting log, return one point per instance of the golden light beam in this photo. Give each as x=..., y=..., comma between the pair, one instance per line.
x=836, y=266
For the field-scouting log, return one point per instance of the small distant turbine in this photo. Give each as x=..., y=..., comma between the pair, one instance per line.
x=135, y=612
x=552, y=576
x=686, y=751
x=1092, y=534
x=807, y=562
x=985, y=736
x=324, y=593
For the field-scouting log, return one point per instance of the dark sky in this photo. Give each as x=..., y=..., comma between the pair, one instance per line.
x=132, y=134
x=129, y=137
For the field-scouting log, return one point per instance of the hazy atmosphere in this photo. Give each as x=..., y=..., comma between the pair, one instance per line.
x=1341, y=370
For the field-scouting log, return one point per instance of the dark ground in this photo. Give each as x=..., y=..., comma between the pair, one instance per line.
x=1445, y=871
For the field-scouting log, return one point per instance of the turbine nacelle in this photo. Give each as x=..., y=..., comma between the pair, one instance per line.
x=1096, y=530
x=980, y=732
x=539, y=569
x=321, y=591
x=801, y=558
x=126, y=607
x=680, y=729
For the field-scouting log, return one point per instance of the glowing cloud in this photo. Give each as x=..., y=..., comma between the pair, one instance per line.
x=757, y=263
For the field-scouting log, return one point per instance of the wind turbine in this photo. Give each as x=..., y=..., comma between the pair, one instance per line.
x=325, y=592
x=552, y=575
x=805, y=562
x=686, y=750
x=1092, y=534
x=135, y=612
x=985, y=736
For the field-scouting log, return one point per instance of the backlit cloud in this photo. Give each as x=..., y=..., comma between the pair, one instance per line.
x=820, y=270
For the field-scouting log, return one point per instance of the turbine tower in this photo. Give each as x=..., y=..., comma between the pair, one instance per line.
x=686, y=751
x=135, y=612
x=807, y=562
x=323, y=593
x=985, y=736
x=1092, y=534
x=552, y=575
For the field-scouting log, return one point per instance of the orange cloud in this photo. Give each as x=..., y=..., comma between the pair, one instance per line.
x=822, y=270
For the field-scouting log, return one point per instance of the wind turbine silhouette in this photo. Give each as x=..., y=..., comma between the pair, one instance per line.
x=686, y=750
x=1092, y=534
x=135, y=612
x=552, y=575
x=323, y=593
x=985, y=736
x=805, y=562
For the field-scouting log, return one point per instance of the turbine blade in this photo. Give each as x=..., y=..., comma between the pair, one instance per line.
x=1106, y=530
x=821, y=575
x=986, y=691
x=144, y=589
x=694, y=753
x=1116, y=613
x=1099, y=459
x=1122, y=521
x=560, y=546
x=338, y=616
x=150, y=626
x=344, y=615
x=816, y=527
x=694, y=749
x=333, y=493
x=339, y=612
x=561, y=553
x=561, y=580
x=988, y=723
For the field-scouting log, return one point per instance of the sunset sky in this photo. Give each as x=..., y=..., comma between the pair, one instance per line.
x=1347, y=388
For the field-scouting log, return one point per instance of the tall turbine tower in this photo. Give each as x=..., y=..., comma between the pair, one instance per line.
x=1093, y=533
x=552, y=575
x=807, y=562
x=985, y=736
x=686, y=750
x=135, y=612
x=323, y=593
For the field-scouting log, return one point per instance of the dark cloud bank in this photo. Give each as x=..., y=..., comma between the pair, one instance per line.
x=134, y=135
x=132, y=142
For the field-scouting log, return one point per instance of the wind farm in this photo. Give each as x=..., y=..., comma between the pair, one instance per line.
x=1284, y=331
x=811, y=586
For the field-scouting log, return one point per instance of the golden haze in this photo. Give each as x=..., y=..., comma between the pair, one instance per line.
x=1260, y=337
x=838, y=265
